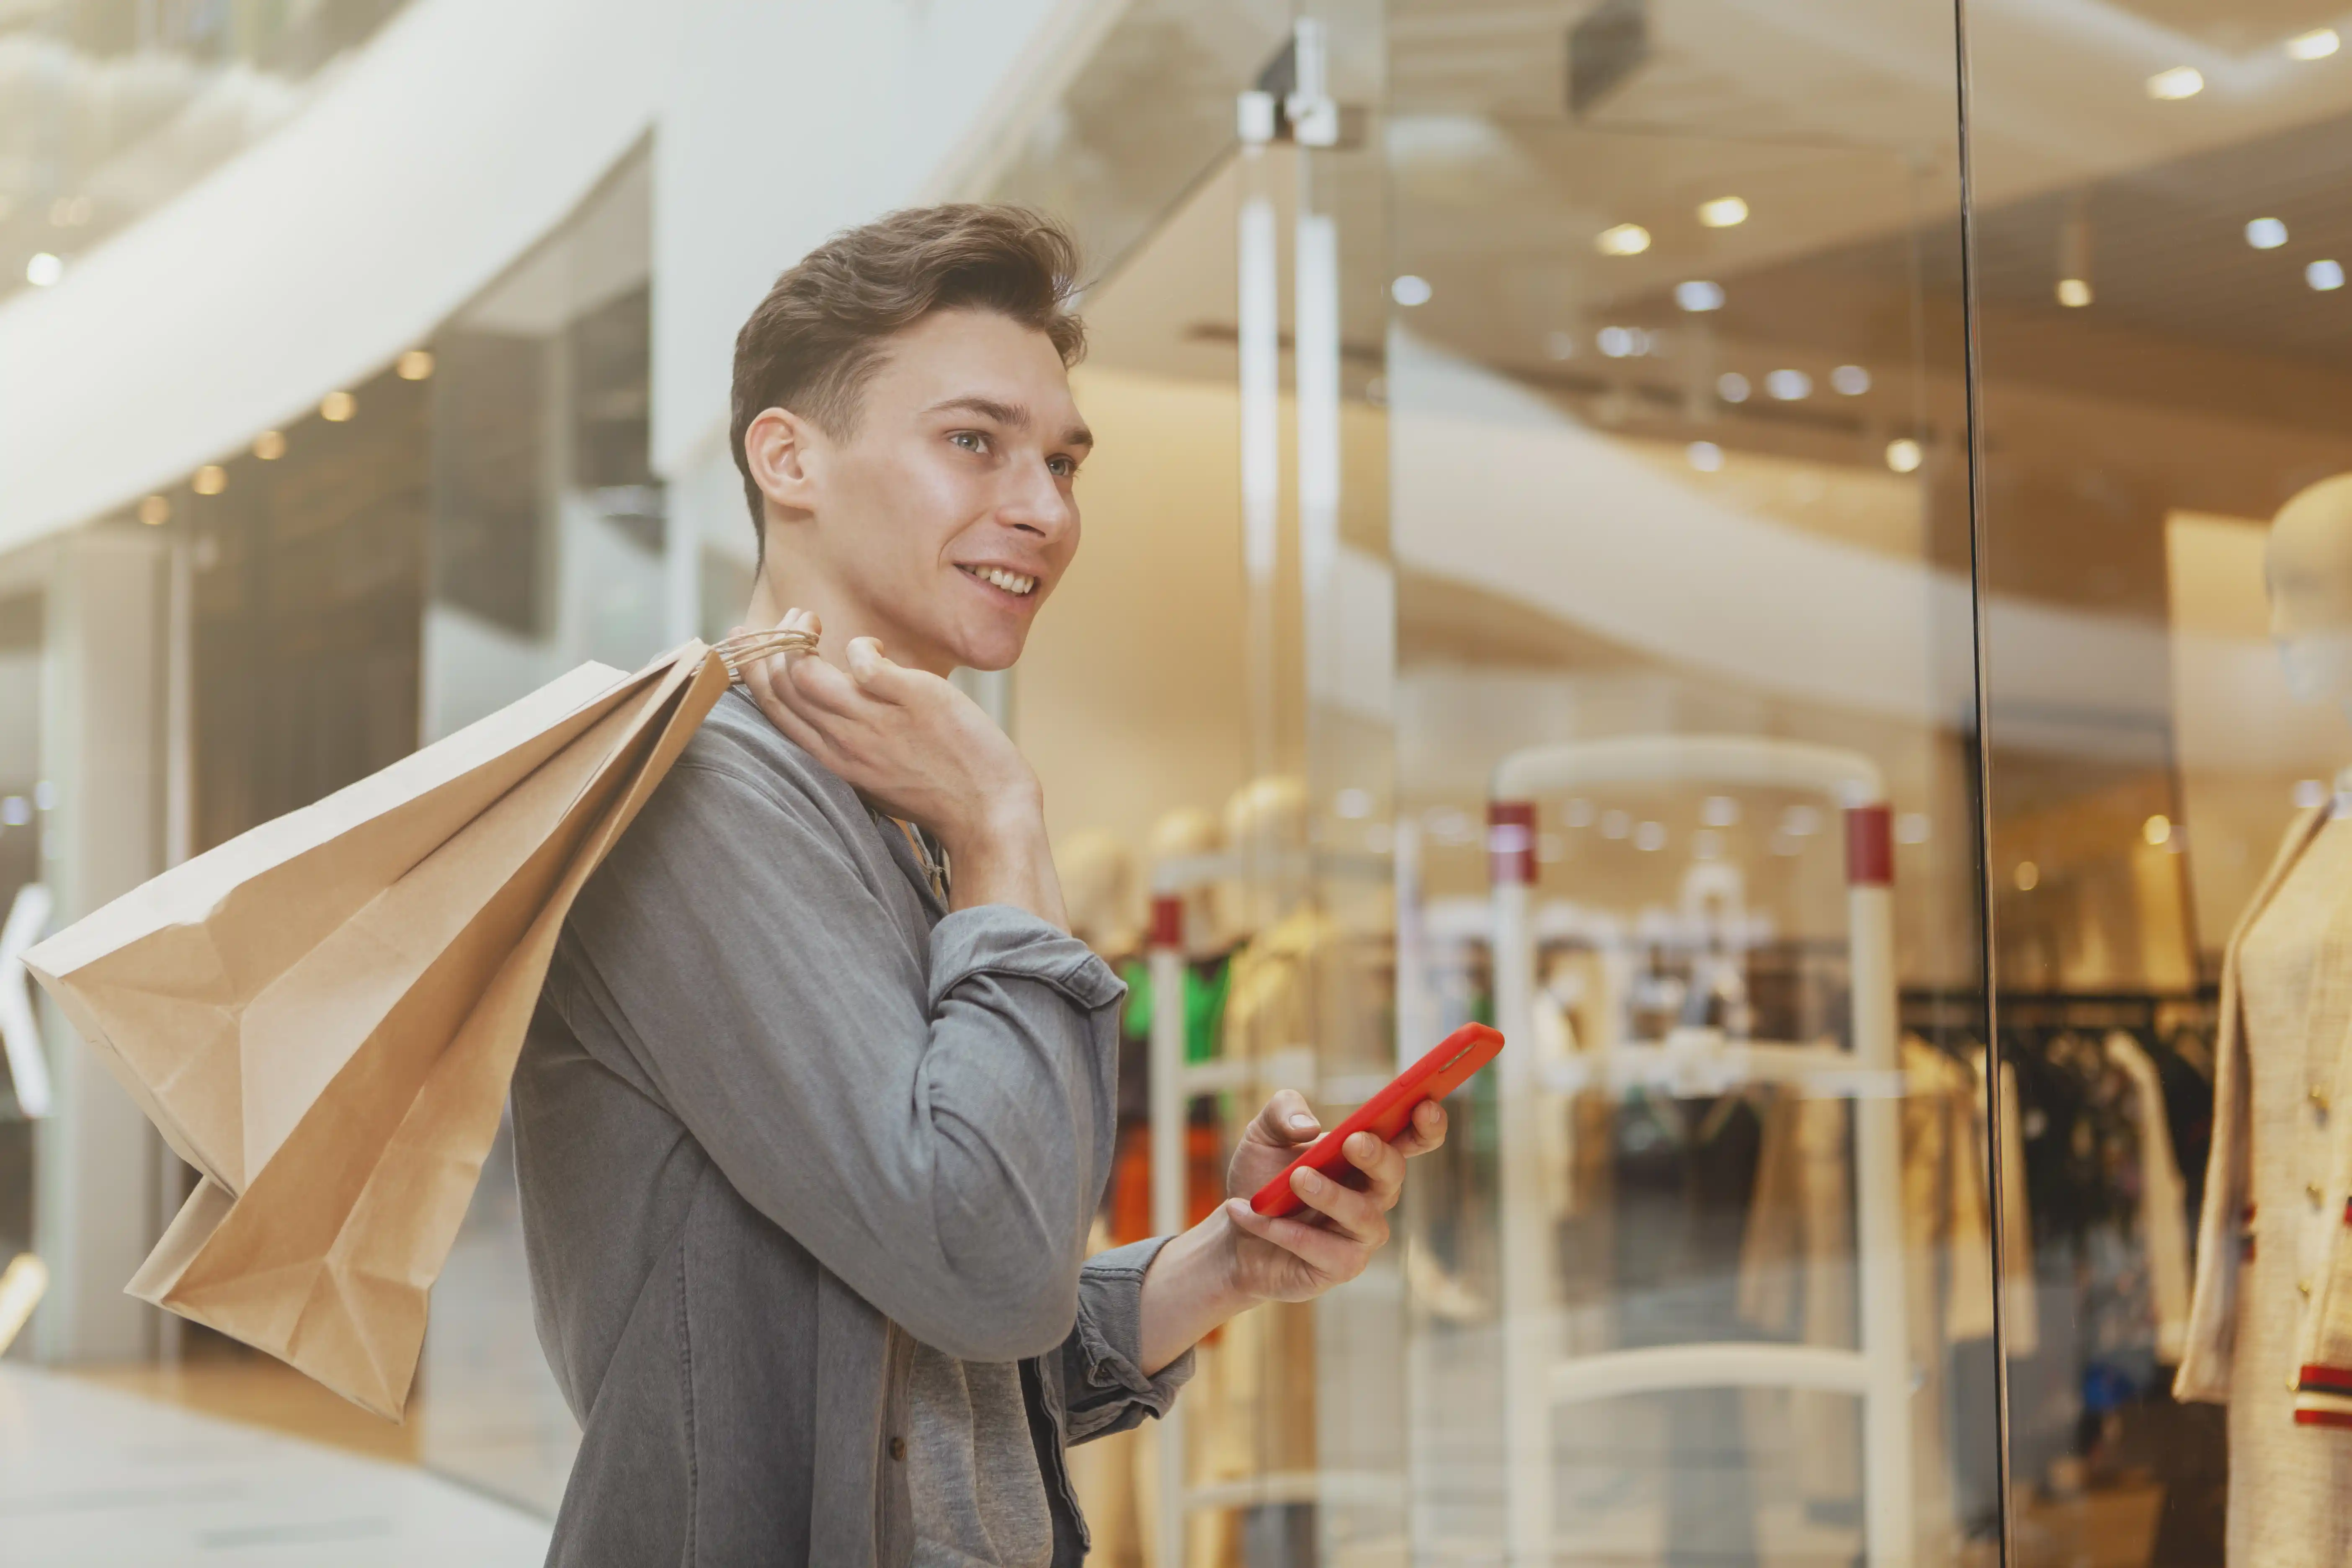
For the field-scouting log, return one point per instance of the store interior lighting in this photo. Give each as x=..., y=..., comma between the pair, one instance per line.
x=1698, y=295
x=2266, y=234
x=337, y=406
x=209, y=480
x=1788, y=385
x=2316, y=45
x=1732, y=386
x=2156, y=829
x=413, y=365
x=1903, y=455
x=22, y=1285
x=1723, y=212
x=1410, y=291
x=1622, y=240
x=44, y=268
x=156, y=510
x=2180, y=82
x=2324, y=275
x=269, y=446
x=2073, y=293
x=1850, y=380
x=2028, y=876
x=1704, y=456
x=1560, y=346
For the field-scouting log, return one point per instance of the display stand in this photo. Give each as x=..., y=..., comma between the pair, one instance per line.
x=1537, y=1381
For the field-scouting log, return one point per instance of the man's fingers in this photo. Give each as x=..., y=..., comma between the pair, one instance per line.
x=1362, y=1215
x=1330, y=1253
x=1426, y=1130
x=1287, y=1119
x=875, y=675
x=1383, y=1168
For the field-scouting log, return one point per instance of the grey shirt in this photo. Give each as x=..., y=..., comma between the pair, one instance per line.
x=779, y=1119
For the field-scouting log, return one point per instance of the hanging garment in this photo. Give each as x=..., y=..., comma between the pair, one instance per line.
x=2163, y=1198
x=2270, y=1327
x=2020, y=1321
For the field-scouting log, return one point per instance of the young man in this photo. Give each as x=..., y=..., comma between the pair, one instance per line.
x=818, y=1099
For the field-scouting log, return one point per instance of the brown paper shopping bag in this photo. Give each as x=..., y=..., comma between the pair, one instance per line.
x=322, y=1014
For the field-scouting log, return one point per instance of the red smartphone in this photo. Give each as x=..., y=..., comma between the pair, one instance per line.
x=1387, y=1114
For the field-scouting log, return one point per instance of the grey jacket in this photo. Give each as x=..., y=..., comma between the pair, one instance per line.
x=779, y=1117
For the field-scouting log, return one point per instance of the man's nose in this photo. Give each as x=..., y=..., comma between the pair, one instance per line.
x=1037, y=504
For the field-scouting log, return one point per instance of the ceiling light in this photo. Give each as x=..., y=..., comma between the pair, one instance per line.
x=2073, y=293
x=413, y=365
x=2156, y=829
x=2316, y=45
x=210, y=480
x=1698, y=294
x=1620, y=343
x=1850, y=380
x=1704, y=456
x=155, y=511
x=44, y=269
x=1560, y=346
x=1624, y=240
x=2028, y=876
x=269, y=446
x=1410, y=291
x=1719, y=811
x=1723, y=212
x=1732, y=386
x=2324, y=275
x=2181, y=81
x=1650, y=837
x=337, y=406
x=1788, y=385
x=1903, y=455
x=2266, y=234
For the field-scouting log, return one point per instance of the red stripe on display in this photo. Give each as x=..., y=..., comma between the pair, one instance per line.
x=2323, y=1418
x=1511, y=841
x=1167, y=922
x=1869, y=846
x=2325, y=1379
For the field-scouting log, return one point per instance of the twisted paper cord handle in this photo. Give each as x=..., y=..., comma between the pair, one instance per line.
x=749, y=648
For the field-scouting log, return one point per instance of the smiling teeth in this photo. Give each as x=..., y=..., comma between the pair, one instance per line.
x=1011, y=582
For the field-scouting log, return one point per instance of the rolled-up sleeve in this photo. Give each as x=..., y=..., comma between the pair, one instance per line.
x=1103, y=1386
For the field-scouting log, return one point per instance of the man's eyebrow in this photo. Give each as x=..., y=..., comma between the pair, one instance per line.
x=1014, y=415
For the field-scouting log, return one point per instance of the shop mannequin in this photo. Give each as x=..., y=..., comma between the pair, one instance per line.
x=1098, y=891
x=1265, y=831
x=2270, y=1329
x=1181, y=834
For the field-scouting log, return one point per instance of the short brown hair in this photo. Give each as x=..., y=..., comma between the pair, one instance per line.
x=816, y=340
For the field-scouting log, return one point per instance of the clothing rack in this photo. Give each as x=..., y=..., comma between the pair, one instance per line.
x=1175, y=1083
x=1536, y=1380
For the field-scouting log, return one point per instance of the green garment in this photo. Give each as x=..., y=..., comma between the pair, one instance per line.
x=1205, y=985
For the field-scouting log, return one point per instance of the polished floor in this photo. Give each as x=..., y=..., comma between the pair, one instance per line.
x=95, y=1477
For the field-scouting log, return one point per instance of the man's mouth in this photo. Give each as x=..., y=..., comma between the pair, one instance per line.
x=1012, y=583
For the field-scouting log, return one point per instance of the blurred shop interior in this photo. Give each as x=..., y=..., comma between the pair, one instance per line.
x=1733, y=542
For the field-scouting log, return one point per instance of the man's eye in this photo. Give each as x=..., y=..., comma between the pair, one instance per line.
x=1061, y=468
x=969, y=440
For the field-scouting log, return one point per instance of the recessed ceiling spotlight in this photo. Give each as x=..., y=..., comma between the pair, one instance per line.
x=2073, y=293
x=1723, y=212
x=1698, y=294
x=1903, y=455
x=1850, y=380
x=1788, y=385
x=337, y=406
x=1410, y=291
x=2324, y=275
x=413, y=365
x=44, y=268
x=210, y=479
x=1624, y=240
x=1622, y=343
x=2181, y=81
x=1704, y=456
x=2266, y=234
x=1732, y=386
x=2316, y=45
x=156, y=510
x=269, y=446
x=1560, y=346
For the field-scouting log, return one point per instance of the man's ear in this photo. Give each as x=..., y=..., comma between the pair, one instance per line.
x=779, y=447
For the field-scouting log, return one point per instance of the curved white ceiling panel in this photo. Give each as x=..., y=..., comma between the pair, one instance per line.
x=457, y=139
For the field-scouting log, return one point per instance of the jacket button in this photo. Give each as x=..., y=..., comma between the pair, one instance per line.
x=898, y=1448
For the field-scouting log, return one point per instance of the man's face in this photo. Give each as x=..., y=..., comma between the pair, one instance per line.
x=948, y=516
